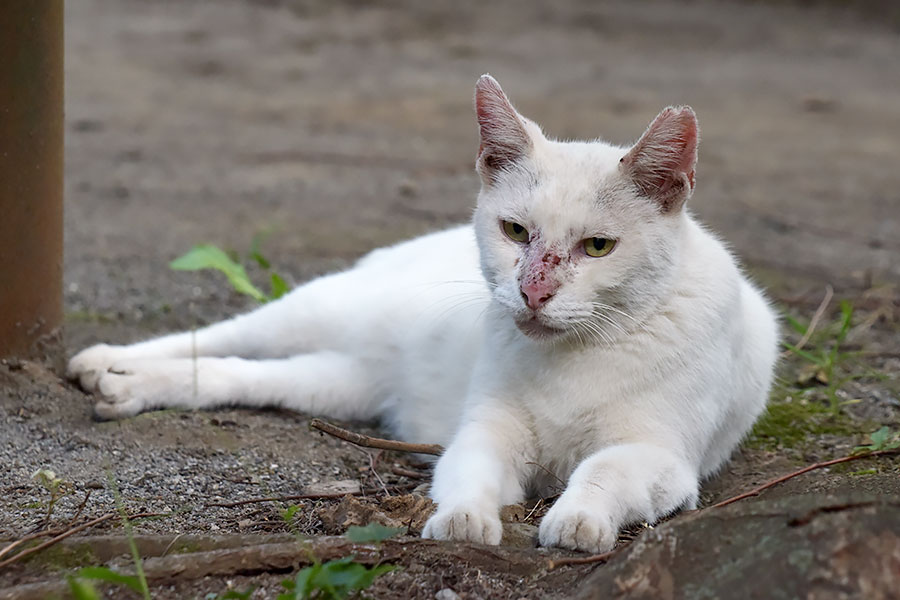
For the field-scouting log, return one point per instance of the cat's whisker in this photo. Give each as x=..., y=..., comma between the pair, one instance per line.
x=610, y=323
x=597, y=333
x=607, y=307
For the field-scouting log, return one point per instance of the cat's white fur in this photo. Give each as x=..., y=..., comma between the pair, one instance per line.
x=634, y=380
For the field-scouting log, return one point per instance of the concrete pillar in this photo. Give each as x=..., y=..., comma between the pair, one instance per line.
x=31, y=178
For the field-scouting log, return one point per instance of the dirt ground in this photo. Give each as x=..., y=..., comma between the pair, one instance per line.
x=336, y=127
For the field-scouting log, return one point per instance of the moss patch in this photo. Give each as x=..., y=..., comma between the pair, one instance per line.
x=63, y=557
x=788, y=424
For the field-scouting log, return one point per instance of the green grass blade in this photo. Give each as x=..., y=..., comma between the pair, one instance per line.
x=795, y=324
x=804, y=354
x=135, y=555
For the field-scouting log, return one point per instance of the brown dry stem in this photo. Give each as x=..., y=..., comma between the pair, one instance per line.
x=373, y=442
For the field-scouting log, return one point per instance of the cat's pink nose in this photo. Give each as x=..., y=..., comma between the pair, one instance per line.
x=537, y=293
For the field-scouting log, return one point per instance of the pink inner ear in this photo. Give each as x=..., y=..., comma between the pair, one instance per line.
x=666, y=151
x=503, y=134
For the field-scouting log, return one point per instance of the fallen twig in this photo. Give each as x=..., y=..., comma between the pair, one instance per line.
x=69, y=532
x=408, y=473
x=584, y=560
x=32, y=536
x=319, y=496
x=813, y=467
x=373, y=442
x=81, y=506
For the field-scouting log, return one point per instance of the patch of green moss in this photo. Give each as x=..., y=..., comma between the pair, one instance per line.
x=185, y=548
x=788, y=424
x=65, y=557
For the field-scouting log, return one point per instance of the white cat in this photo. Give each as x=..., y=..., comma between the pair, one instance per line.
x=586, y=328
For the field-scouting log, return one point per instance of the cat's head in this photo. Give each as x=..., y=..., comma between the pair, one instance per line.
x=579, y=239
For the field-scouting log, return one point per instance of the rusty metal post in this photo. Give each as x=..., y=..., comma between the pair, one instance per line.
x=31, y=178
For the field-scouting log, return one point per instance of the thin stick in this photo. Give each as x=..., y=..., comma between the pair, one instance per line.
x=818, y=465
x=408, y=473
x=32, y=536
x=70, y=532
x=322, y=496
x=374, y=472
x=78, y=512
x=813, y=323
x=546, y=470
x=373, y=442
x=584, y=560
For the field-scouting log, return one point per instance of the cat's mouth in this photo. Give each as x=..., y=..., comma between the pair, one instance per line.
x=534, y=327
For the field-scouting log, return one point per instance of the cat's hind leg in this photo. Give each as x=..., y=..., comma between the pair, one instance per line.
x=303, y=321
x=324, y=383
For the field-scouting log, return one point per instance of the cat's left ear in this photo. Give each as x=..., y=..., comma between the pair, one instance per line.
x=663, y=162
x=502, y=130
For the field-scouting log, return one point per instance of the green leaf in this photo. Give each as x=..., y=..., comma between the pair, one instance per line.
x=288, y=513
x=288, y=584
x=880, y=437
x=304, y=582
x=367, y=577
x=279, y=287
x=339, y=578
x=335, y=579
x=207, y=256
x=110, y=576
x=373, y=532
x=883, y=439
x=82, y=590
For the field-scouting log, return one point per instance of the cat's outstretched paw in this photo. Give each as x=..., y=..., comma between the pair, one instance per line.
x=130, y=387
x=574, y=526
x=90, y=364
x=465, y=523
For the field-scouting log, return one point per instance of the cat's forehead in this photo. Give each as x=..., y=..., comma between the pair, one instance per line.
x=587, y=159
x=578, y=184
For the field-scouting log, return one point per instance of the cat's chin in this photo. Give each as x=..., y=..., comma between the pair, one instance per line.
x=534, y=328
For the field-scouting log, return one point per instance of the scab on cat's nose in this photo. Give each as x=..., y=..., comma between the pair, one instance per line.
x=551, y=258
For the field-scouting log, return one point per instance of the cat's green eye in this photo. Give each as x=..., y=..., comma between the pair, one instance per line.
x=598, y=247
x=515, y=231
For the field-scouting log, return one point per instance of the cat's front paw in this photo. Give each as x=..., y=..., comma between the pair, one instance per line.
x=577, y=526
x=90, y=364
x=131, y=387
x=465, y=523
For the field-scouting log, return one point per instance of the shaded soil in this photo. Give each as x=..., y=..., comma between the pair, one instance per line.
x=339, y=127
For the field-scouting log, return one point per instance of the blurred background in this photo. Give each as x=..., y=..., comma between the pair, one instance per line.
x=337, y=127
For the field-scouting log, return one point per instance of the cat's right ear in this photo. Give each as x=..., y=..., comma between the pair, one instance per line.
x=504, y=138
x=663, y=162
